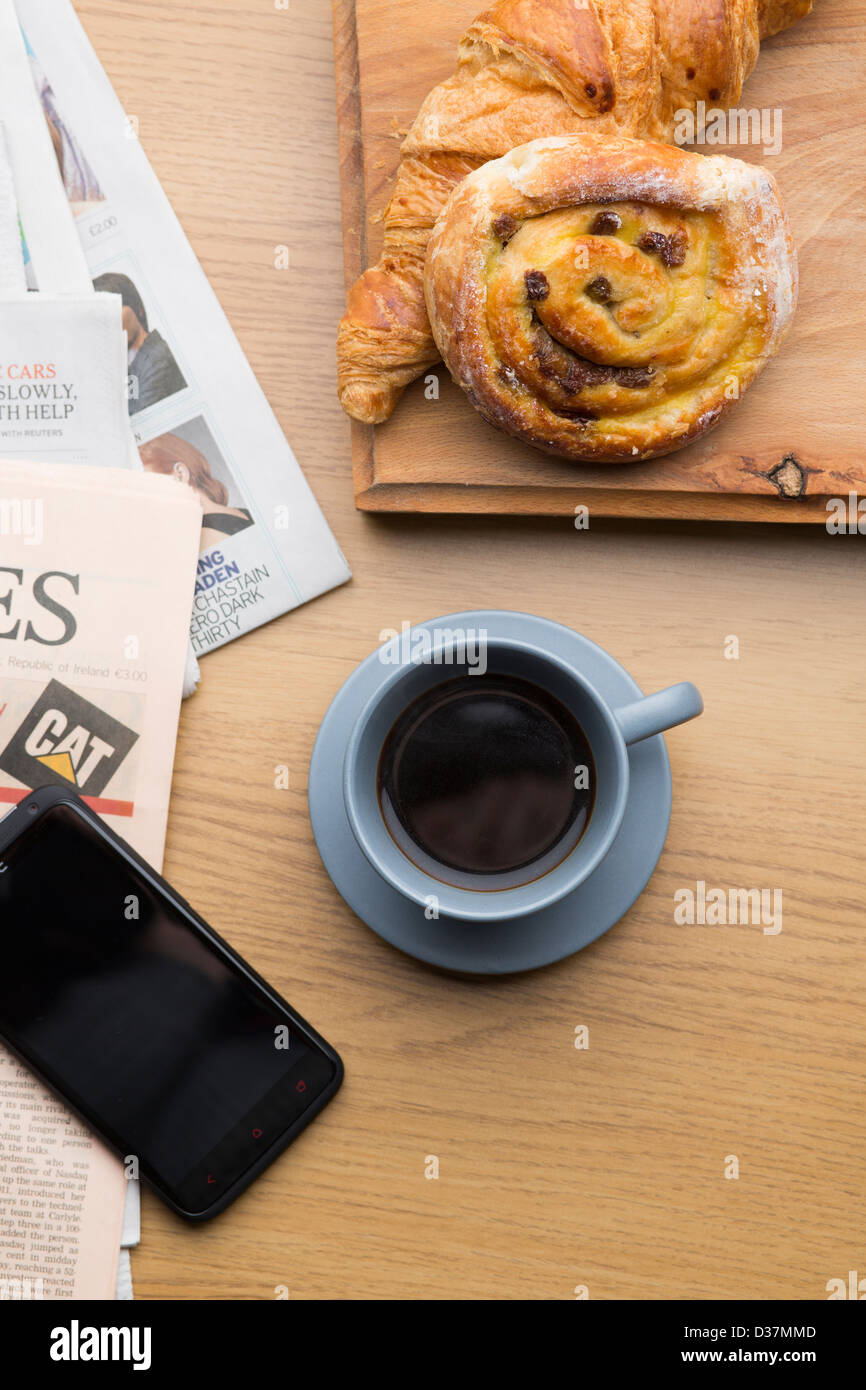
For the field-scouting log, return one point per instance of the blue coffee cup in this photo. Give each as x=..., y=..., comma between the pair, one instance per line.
x=609, y=731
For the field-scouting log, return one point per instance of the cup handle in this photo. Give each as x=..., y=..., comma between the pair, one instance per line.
x=654, y=713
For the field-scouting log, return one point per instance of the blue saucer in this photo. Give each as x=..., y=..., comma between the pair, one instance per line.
x=497, y=948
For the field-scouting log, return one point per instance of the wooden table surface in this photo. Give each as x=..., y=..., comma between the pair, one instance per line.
x=559, y=1168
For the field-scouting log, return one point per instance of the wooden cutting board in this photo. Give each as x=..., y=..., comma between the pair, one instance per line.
x=794, y=441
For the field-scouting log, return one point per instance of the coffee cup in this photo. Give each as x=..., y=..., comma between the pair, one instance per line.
x=446, y=672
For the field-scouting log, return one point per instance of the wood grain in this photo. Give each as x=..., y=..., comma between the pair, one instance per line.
x=795, y=439
x=557, y=1167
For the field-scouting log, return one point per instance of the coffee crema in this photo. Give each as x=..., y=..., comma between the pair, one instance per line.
x=486, y=782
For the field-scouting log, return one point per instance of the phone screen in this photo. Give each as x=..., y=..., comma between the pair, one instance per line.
x=144, y=1024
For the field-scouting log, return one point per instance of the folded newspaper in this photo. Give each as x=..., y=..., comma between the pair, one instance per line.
x=97, y=568
x=12, y=278
x=196, y=409
x=63, y=350
x=62, y=378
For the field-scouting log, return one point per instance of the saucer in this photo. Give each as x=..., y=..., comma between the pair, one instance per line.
x=504, y=947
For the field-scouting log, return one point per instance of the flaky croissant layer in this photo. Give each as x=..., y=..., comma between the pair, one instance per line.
x=528, y=69
x=608, y=299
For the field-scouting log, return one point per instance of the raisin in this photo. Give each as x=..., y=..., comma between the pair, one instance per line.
x=537, y=286
x=545, y=355
x=574, y=380
x=671, y=250
x=590, y=90
x=595, y=374
x=582, y=373
x=677, y=246
x=505, y=226
x=653, y=242
x=606, y=223
x=635, y=377
x=600, y=289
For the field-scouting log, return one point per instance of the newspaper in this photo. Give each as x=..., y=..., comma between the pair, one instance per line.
x=12, y=279
x=63, y=350
x=196, y=409
x=96, y=574
x=96, y=569
x=62, y=379
x=63, y=1193
x=63, y=386
x=40, y=195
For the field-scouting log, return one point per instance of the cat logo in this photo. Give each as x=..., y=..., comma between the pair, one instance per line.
x=85, y=748
x=66, y=740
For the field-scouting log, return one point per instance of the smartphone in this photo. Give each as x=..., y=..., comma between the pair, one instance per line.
x=140, y=1017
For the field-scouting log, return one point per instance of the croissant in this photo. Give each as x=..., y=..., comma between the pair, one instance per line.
x=527, y=69
x=608, y=299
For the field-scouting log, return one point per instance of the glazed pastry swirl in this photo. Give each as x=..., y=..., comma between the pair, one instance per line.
x=528, y=69
x=608, y=299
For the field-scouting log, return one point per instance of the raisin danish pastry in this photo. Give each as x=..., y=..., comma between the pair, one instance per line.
x=526, y=69
x=608, y=299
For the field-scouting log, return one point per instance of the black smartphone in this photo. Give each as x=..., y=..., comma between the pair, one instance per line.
x=140, y=1017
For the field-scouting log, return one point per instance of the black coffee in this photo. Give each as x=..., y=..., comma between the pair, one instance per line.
x=486, y=782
